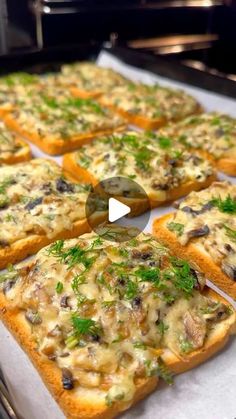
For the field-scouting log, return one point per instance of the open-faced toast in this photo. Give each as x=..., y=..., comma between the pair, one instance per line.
x=88, y=80
x=150, y=107
x=213, y=135
x=164, y=172
x=12, y=148
x=203, y=230
x=39, y=203
x=102, y=320
x=14, y=85
x=57, y=123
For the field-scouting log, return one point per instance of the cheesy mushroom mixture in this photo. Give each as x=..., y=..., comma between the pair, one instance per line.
x=209, y=217
x=52, y=112
x=104, y=312
x=152, y=102
x=13, y=85
x=151, y=160
x=214, y=133
x=89, y=77
x=9, y=144
x=35, y=198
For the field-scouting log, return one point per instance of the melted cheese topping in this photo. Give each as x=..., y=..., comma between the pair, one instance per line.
x=89, y=77
x=9, y=144
x=36, y=199
x=214, y=133
x=104, y=311
x=152, y=161
x=14, y=86
x=152, y=102
x=213, y=229
x=53, y=112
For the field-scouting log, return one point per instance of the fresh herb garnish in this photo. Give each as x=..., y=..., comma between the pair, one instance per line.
x=183, y=278
x=142, y=157
x=131, y=290
x=140, y=345
x=176, y=227
x=185, y=345
x=163, y=372
x=162, y=327
x=83, y=326
x=71, y=256
x=227, y=205
x=164, y=142
x=230, y=232
x=59, y=287
x=148, y=274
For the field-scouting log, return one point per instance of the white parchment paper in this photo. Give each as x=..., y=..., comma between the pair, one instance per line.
x=207, y=392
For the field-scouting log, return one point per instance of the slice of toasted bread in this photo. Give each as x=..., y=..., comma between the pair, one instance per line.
x=194, y=254
x=85, y=402
x=22, y=153
x=54, y=146
x=23, y=247
x=210, y=134
x=150, y=107
x=138, y=206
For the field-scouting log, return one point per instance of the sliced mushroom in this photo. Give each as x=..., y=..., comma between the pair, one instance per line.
x=63, y=186
x=64, y=301
x=199, y=232
x=206, y=207
x=32, y=204
x=33, y=317
x=195, y=329
x=67, y=379
x=229, y=270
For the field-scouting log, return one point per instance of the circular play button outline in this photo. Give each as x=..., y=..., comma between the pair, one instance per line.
x=122, y=200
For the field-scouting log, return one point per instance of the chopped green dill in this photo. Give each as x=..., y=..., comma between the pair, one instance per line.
x=216, y=120
x=142, y=157
x=5, y=183
x=83, y=160
x=132, y=176
x=183, y=140
x=110, y=400
x=123, y=252
x=84, y=326
x=164, y=142
x=50, y=102
x=230, y=232
x=102, y=281
x=131, y=290
x=227, y=205
x=163, y=372
x=162, y=327
x=11, y=274
x=71, y=256
x=133, y=242
x=108, y=304
x=4, y=201
x=184, y=279
x=185, y=345
x=148, y=274
x=140, y=345
x=59, y=287
x=176, y=227
x=130, y=139
x=76, y=282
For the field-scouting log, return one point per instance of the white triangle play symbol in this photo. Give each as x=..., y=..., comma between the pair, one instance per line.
x=116, y=210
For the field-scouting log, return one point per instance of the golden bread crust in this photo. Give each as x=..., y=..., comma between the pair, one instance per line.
x=54, y=146
x=138, y=206
x=191, y=253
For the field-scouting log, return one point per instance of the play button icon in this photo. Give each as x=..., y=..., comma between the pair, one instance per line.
x=120, y=201
x=116, y=210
